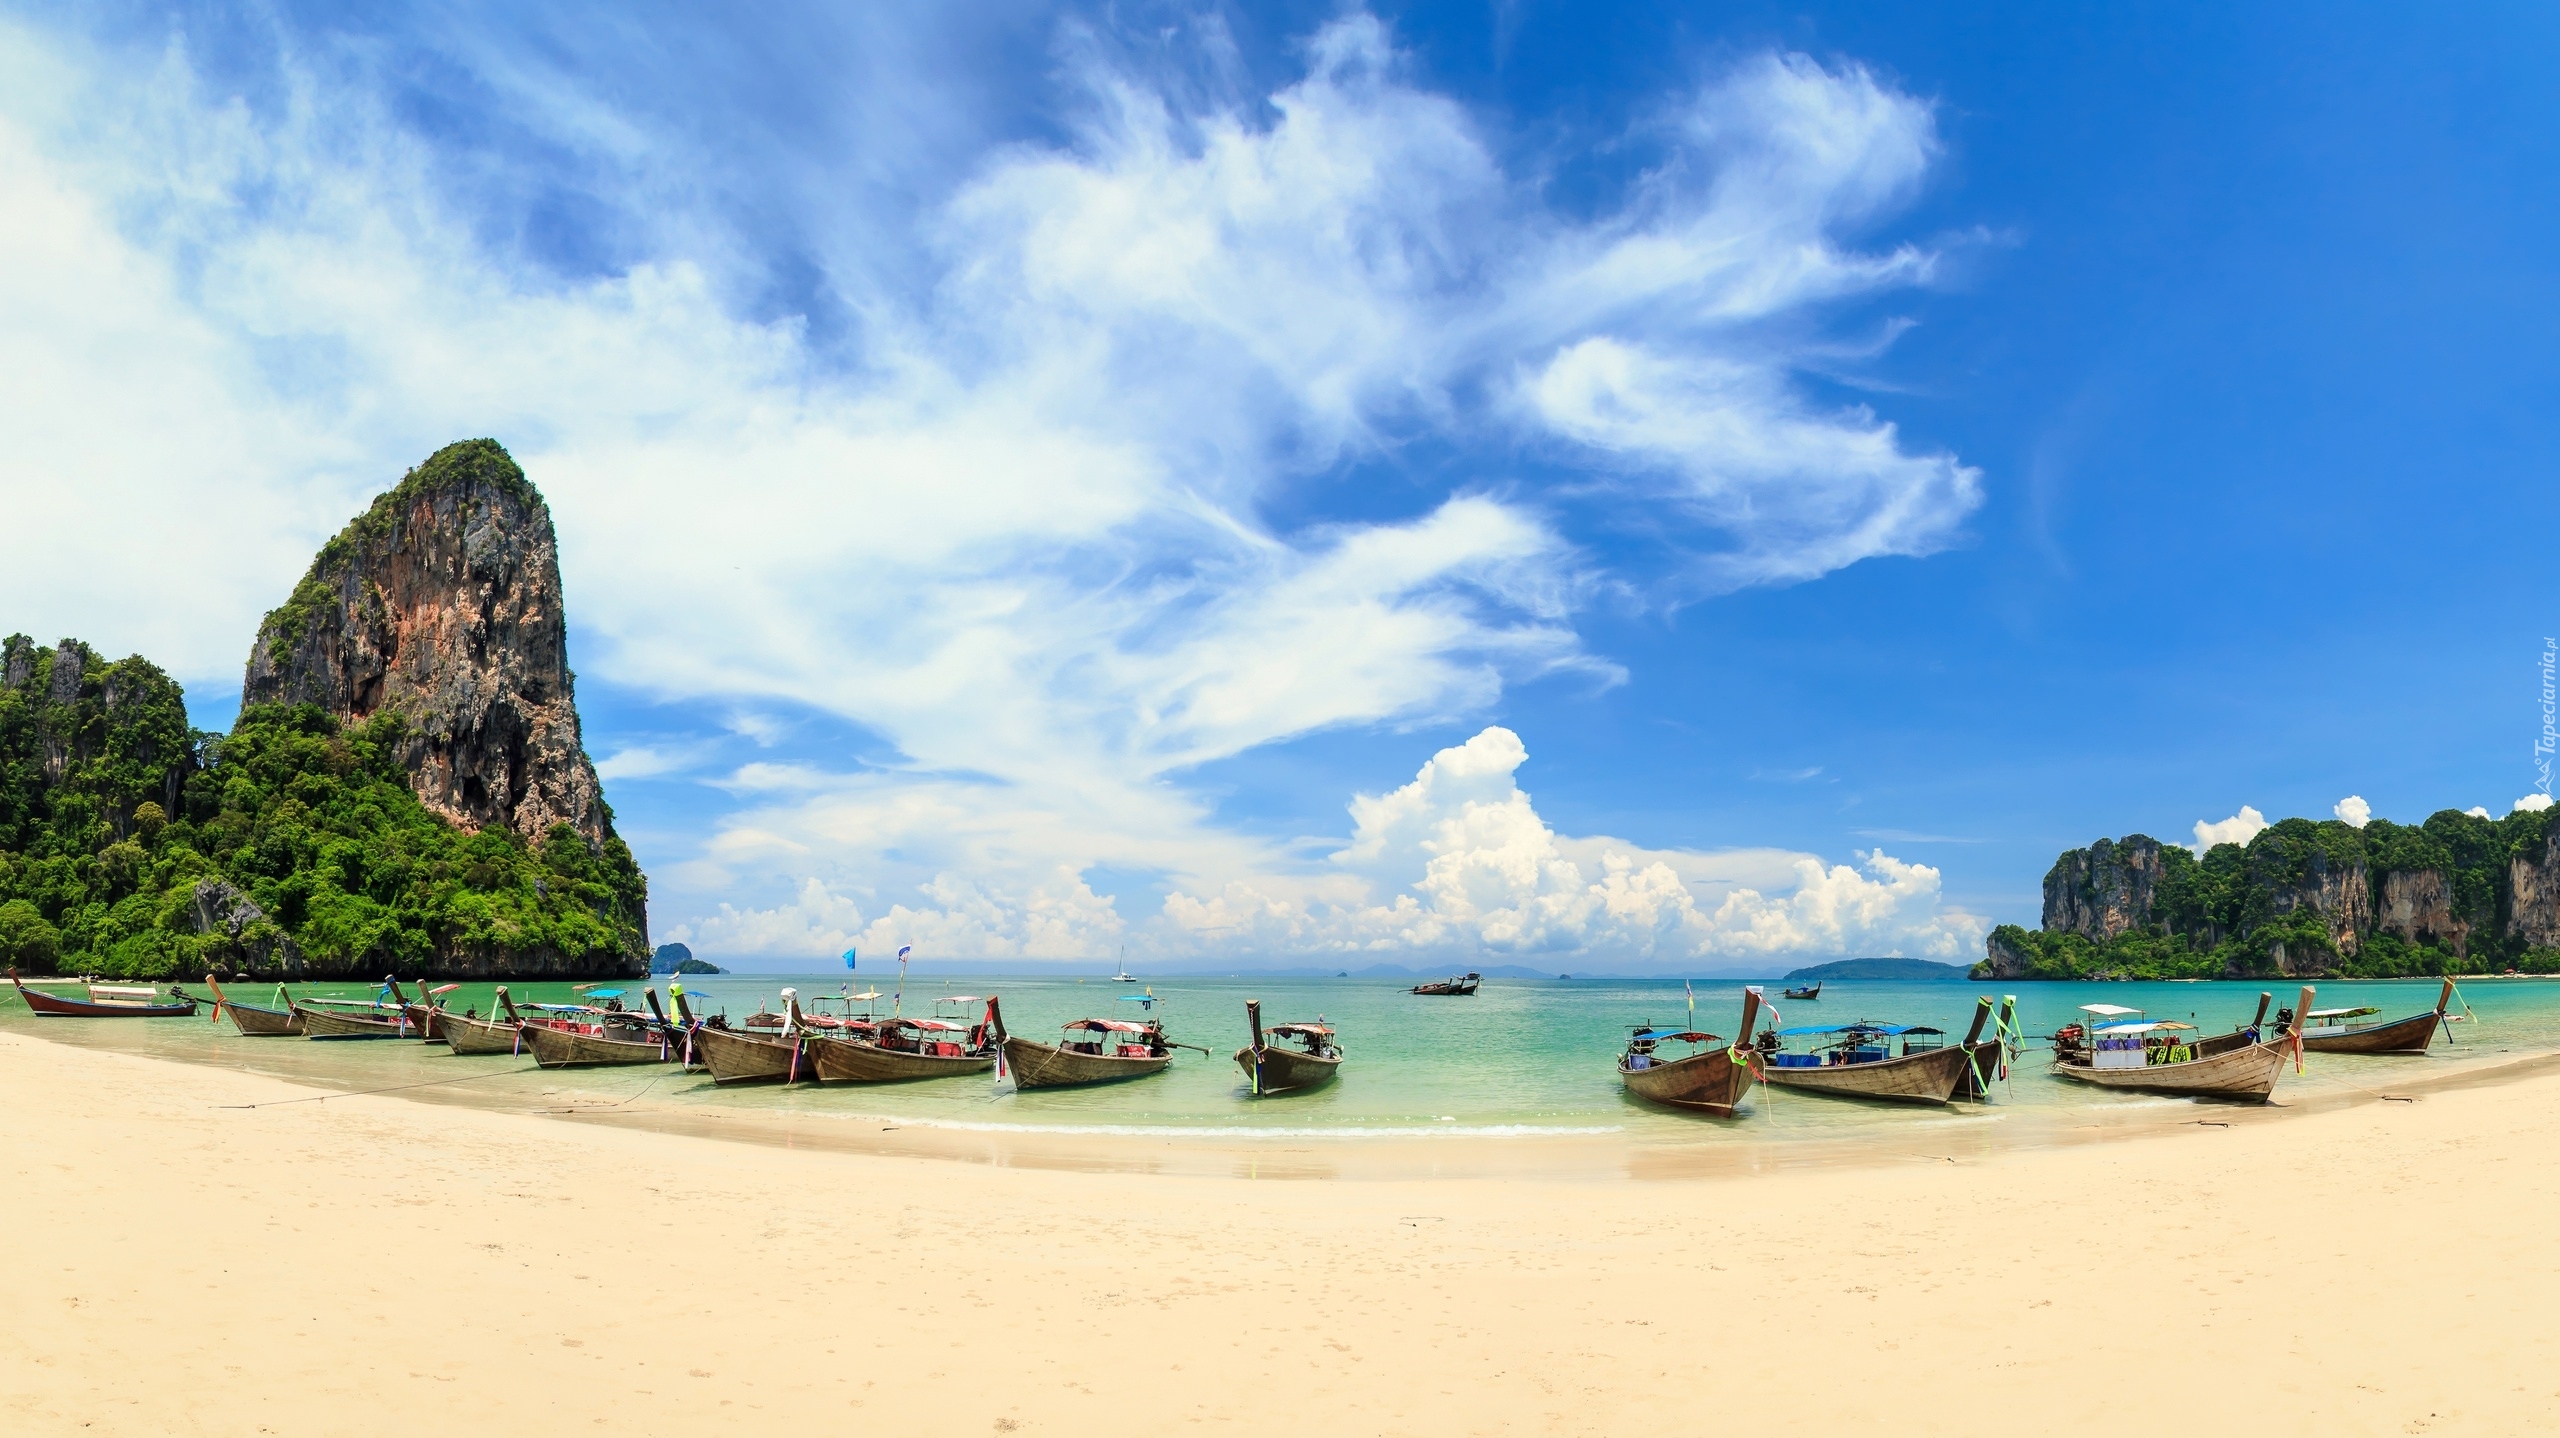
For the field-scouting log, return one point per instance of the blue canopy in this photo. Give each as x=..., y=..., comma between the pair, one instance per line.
x=1881, y=1030
x=1692, y=1035
x=604, y=993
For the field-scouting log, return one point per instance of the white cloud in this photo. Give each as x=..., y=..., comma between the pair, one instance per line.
x=2533, y=803
x=2478, y=811
x=2240, y=828
x=2353, y=810
x=1460, y=859
x=1016, y=525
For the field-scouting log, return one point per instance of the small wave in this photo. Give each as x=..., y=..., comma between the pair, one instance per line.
x=1140, y=1130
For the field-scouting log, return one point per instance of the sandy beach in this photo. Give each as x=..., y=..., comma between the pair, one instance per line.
x=187, y=1264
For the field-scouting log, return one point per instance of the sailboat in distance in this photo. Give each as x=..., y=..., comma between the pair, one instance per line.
x=1124, y=976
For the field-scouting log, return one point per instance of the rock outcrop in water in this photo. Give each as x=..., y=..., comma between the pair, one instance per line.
x=442, y=601
x=2459, y=894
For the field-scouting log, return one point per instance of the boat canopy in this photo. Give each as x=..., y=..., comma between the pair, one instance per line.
x=1689, y=1035
x=931, y=1025
x=947, y=998
x=2342, y=1013
x=602, y=993
x=2153, y=1027
x=2106, y=1010
x=1117, y=1026
x=1319, y=1030
x=1884, y=1030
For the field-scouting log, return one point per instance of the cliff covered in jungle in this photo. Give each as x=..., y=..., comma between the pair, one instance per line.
x=404, y=791
x=2461, y=893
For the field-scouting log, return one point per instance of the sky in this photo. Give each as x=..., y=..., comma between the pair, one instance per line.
x=1688, y=489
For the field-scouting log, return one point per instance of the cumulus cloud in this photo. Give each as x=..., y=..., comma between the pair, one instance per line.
x=2533, y=803
x=2479, y=811
x=1013, y=517
x=1460, y=858
x=2240, y=828
x=2353, y=810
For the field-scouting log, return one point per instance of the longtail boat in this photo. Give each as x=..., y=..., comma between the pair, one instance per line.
x=1459, y=987
x=105, y=1001
x=2333, y=1031
x=2119, y=1048
x=1091, y=1051
x=470, y=1034
x=568, y=1036
x=425, y=1015
x=253, y=1021
x=354, y=1018
x=1713, y=1078
x=737, y=1056
x=1808, y=993
x=1276, y=1067
x=1990, y=1056
x=1857, y=1060
x=899, y=1049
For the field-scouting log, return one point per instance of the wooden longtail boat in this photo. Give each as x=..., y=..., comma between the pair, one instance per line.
x=2147, y=1056
x=1271, y=1068
x=1990, y=1056
x=1459, y=987
x=1857, y=1061
x=2338, y=1035
x=425, y=1015
x=742, y=1057
x=596, y=1039
x=470, y=1034
x=1715, y=1079
x=353, y=1018
x=252, y=1021
x=897, y=1050
x=1109, y=1051
x=105, y=1001
x=1806, y=994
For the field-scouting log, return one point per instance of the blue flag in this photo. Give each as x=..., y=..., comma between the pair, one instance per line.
x=905, y=949
x=848, y=958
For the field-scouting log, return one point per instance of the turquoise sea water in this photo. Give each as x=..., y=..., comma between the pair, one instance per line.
x=1522, y=1057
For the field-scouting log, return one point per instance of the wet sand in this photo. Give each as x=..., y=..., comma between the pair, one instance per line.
x=186, y=1263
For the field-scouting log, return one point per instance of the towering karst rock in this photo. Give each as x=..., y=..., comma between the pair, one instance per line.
x=442, y=601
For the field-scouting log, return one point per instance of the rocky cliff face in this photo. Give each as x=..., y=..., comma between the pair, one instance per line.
x=2417, y=905
x=2459, y=893
x=442, y=602
x=2103, y=890
x=2533, y=911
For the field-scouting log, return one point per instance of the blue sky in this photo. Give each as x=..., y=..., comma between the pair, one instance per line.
x=1682, y=488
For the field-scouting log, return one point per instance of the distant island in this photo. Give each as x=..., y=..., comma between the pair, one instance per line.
x=2462, y=893
x=677, y=959
x=1902, y=969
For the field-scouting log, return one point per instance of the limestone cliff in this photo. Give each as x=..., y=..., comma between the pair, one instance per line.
x=442, y=601
x=2459, y=893
x=2103, y=890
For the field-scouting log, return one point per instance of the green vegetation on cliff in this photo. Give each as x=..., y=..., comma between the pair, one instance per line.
x=134, y=846
x=2309, y=898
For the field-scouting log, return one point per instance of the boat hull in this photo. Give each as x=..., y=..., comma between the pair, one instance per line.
x=561, y=1049
x=481, y=1036
x=258, y=1023
x=53, y=1007
x=2247, y=1073
x=1975, y=1081
x=1280, y=1071
x=322, y=1024
x=736, y=1058
x=1929, y=1077
x=855, y=1061
x=1706, y=1082
x=424, y=1022
x=2403, y=1036
x=1039, y=1065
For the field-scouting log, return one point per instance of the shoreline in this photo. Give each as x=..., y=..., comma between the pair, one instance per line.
x=1761, y=1141
x=249, y=1249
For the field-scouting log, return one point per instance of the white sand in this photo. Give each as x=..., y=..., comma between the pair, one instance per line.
x=372, y=1265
